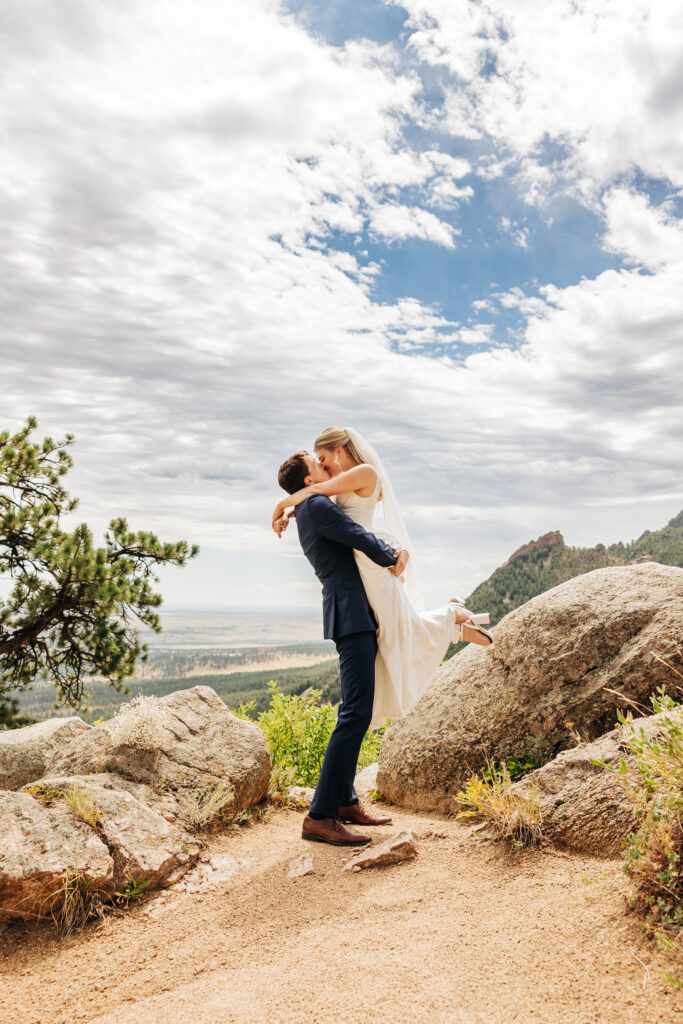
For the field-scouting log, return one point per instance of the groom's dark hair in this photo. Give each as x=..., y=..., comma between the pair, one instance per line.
x=292, y=474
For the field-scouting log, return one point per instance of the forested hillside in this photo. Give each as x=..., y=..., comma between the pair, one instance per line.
x=544, y=563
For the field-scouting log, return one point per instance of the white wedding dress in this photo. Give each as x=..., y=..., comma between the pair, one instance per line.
x=411, y=644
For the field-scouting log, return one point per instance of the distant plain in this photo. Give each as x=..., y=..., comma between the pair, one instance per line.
x=237, y=653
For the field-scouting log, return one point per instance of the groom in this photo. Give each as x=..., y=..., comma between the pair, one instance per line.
x=328, y=537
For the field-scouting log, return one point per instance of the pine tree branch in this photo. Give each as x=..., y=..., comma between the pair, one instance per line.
x=29, y=633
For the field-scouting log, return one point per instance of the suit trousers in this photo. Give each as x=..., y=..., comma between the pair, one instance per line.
x=335, y=788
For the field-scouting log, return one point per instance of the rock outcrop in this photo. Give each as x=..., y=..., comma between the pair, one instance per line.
x=25, y=754
x=582, y=805
x=548, y=540
x=200, y=744
x=40, y=849
x=142, y=832
x=113, y=808
x=97, y=830
x=564, y=660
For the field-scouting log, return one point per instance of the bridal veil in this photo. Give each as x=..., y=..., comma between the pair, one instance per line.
x=394, y=524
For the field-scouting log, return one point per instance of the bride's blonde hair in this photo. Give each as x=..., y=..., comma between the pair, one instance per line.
x=333, y=437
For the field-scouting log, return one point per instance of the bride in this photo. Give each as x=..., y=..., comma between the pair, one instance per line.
x=411, y=642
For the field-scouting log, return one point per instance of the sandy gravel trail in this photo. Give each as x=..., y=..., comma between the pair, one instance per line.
x=468, y=933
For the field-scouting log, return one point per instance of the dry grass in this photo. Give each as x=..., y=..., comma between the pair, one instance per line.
x=81, y=803
x=78, y=902
x=70, y=904
x=200, y=808
x=512, y=816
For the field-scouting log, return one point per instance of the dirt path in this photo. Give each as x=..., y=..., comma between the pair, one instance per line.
x=465, y=934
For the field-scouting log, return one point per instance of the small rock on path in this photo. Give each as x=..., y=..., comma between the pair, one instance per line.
x=303, y=865
x=212, y=869
x=396, y=848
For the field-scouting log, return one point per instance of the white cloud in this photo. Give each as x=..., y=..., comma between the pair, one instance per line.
x=480, y=334
x=600, y=82
x=519, y=235
x=516, y=298
x=645, y=235
x=446, y=194
x=392, y=220
x=521, y=238
x=169, y=296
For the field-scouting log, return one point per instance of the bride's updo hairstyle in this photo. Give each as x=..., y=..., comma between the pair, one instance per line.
x=333, y=437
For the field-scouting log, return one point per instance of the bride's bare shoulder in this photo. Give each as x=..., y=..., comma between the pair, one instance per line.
x=370, y=481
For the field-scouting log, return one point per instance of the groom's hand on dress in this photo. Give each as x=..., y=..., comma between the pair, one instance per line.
x=400, y=567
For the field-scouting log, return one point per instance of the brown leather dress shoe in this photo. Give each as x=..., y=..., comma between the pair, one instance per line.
x=358, y=816
x=330, y=830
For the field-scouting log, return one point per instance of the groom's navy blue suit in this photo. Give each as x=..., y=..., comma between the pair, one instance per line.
x=328, y=537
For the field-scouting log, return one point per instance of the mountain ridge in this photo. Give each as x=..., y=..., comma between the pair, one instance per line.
x=541, y=564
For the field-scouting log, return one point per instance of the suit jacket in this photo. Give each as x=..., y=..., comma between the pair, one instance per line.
x=328, y=537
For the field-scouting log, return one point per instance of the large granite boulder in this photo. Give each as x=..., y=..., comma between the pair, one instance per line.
x=26, y=753
x=582, y=804
x=98, y=832
x=42, y=847
x=198, y=743
x=563, y=661
x=142, y=832
x=112, y=810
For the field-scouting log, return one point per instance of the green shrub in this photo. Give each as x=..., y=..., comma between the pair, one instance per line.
x=372, y=741
x=131, y=891
x=516, y=768
x=514, y=817
x=654, y=851
x=298, y=728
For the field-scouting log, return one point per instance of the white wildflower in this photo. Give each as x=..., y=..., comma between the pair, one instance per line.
x=140, y=723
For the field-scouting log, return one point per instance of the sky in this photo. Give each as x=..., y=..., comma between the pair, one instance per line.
x=456, y=226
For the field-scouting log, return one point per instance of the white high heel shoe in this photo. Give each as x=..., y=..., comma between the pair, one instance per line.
x=459, y=638
x=476, y=622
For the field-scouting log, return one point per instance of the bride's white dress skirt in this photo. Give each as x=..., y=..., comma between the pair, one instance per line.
x=410, y=644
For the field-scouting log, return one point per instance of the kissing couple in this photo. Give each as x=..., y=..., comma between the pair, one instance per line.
x=389, y=647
